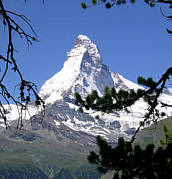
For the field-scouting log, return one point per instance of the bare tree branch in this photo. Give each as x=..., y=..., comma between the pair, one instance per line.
x=26, y=88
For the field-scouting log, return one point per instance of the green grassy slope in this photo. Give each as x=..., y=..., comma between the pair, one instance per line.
x=45, y=157
x=153, y=134
x=149, y=135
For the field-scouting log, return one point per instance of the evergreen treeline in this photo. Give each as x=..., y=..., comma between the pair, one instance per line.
x=128, y=161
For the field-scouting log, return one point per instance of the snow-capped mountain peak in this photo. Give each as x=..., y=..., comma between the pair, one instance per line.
x=82, y=72
x=83, y=41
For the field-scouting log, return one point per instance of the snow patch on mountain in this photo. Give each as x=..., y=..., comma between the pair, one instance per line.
x=14, y=112
x=84, y=72
x=122, y=83
x=169, y=91
x=53, y=88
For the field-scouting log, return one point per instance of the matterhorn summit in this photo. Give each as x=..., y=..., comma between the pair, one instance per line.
x=82, y=72
x=57, y=140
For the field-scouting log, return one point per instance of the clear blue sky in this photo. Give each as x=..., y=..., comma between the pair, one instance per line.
x=132, y=39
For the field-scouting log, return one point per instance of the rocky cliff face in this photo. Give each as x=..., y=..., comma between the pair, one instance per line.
x=64, y=136
x=83, y=71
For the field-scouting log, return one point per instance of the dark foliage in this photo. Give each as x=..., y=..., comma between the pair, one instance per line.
x=126, y=161
x=129, y=162
x=122, y=100
x=112, y=3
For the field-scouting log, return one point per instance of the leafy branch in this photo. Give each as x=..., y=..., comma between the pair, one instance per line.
x=112, y=3
x=131, y=162
x=121, y=100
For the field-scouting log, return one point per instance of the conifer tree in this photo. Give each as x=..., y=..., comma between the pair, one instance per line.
x=133, y=162
x=127, y=161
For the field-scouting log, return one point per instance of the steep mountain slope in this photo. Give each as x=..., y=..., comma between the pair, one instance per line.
x=39, y=153
x=154, y=133
x=83, y=71
x=149, y=135
x=59, y=143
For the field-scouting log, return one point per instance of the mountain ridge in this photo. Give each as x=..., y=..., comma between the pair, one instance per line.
x=84, y=71
x=64, y=137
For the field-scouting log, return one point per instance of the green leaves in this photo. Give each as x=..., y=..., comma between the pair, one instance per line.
x=111, y=100
x=132, y=1
x=83, y=5
x=93, y=158
x=78, y=98
x=141, y=80
x=94, y=2
x=107, y=90
x=108, y=3
x=152, y=4
x=148, y=83
x=132, y=162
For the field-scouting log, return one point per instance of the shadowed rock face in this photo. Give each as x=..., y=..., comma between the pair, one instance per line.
x=83, y=71
x=43, y=150
x=65, y=133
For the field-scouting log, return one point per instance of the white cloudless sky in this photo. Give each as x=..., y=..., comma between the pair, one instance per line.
x=132, y=39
